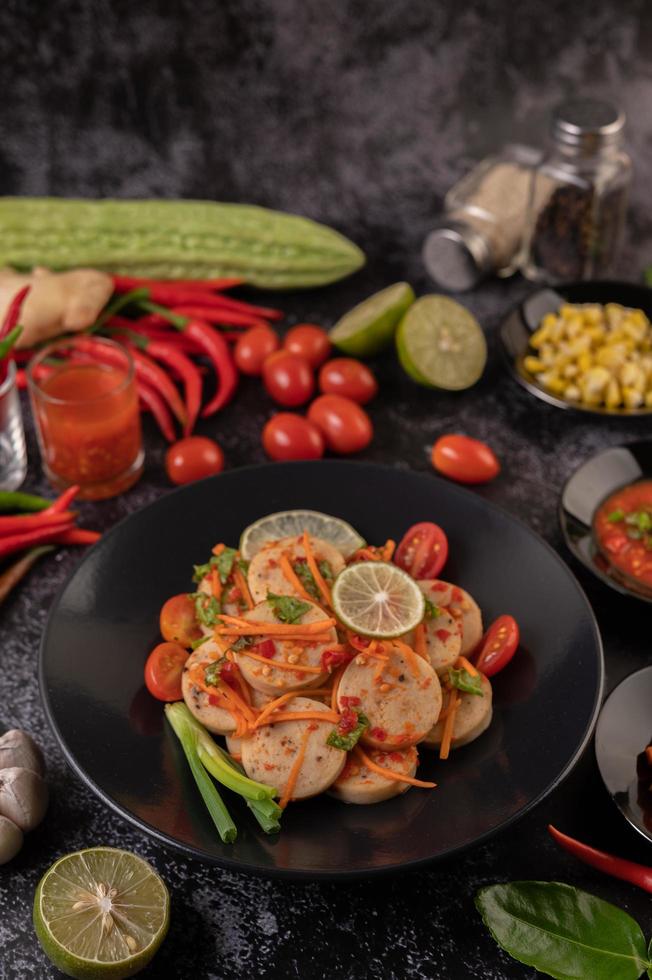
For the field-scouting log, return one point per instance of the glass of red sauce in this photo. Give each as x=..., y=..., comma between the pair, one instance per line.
x=85, y=404
x=622, y=526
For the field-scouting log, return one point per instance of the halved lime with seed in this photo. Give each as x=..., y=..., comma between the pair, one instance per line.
x=441, y=344
x=370, y=326
x=377, y=599
x=287, y=523
x=101, y=913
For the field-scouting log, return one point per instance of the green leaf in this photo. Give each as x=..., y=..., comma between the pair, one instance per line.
x=464, y=681
x=347, y=741
x=287, y=608
x=212, y=672
x=616, y=515
x=224, y=563
x=197, y=643
x=563, y=932
x=432, y=611
x=207, y=608
x=649, y=956
x=242, y=643
x=307, y=579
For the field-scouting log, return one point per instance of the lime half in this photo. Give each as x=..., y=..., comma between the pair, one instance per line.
x=370, y=326
x=101, y=913
x=287, y=523
x=441, y=344
x=377, y=599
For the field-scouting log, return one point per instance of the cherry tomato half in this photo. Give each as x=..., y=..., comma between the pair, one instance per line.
x=423, y=550
x=177, y=620
x=464, y=459
x=345, y=426
x=163, y=670
x=498, y=645
x=193, y=459
x=309, y=341
x=253, y=348
x=288, y=379
x=290, y=436
x=350, y=378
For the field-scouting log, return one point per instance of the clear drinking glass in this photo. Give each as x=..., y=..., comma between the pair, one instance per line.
x=13, y=455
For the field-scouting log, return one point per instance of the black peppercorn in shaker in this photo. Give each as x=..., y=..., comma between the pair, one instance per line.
x=579, y=195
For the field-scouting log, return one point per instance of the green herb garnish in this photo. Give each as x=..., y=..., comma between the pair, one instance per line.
x=287, y=608
x=197, y=643
x=432, y=611
x=347, y=741
x=222, y=562
x=464, y=681
x=242, y=643
x=305, y=576
x=207, y=608
x=616, y=515
x=212, y=672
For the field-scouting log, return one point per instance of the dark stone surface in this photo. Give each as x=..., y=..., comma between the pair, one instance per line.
x=359, y=114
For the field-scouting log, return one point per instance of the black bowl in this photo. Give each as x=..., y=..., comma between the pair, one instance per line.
x=584, y=491
x=105, y=621
x=521, y=322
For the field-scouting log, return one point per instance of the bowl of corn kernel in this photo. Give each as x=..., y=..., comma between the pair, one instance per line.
x=592, y=351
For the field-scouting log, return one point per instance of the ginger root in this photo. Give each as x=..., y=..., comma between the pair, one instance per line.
x=58, y=302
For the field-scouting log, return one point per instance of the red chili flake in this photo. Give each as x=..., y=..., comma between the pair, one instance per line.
x=395, y=757
x=313, y=727
x=234, y=595
x=443, y=635
x=349, y=701
x=268, y=766
x=357, y=642
x=439, y=587
x=229, y=674
x=266, y=649
x=335, y=658
x=457, y=595
x=378, y=733
x=213, y=699
x=348, y=721
x=272, y=563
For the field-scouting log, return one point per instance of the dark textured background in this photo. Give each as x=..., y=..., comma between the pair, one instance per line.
x=359, y=114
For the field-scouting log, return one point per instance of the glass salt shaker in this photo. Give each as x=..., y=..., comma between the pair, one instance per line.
x=578, y=198
x=481, y=231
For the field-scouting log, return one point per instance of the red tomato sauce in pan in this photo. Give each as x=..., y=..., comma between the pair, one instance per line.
x=623, y=529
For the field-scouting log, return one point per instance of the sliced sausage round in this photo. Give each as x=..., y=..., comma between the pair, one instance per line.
x=269, y=754
x=401, y=697
x=357, y=784
x=271, y=680
x=461, y=606
x=472, y=718
x=215, y=719
x=266, y=575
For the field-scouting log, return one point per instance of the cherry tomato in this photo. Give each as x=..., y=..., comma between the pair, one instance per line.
x=253, y=348
x=345, y=426
x=350, y=378
x=178, y=622
x=193, y=459
x=423, y=550
x=163, y=670
x=497, y=646
x=290, y=436
x=288, y=378
x=464, y=459
x=308, y=341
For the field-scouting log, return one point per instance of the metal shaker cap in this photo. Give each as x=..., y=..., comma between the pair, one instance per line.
x=588, y=124
x=456, y=256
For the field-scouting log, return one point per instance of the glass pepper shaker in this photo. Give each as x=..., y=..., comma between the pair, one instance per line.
x=578, y=196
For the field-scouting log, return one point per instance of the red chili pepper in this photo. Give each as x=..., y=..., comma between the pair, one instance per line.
x=13, y=311
x=636, y=874
x=443, y=635
x=335, y=658
x=63, y=501
x=229, y=303
x=349, y=701
x=27, y=539
x=357, y=642
x=78, y=535
x=146, y=370
x=215, y=314
x=17, y=523
x=230, y=674
x=152, y=402
x=378, y=733
x=348, y=721
x=266, y=649
x=124, y=284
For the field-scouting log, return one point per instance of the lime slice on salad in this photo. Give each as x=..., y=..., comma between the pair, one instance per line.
x=101, y=913
x=369, y=327
x=441, y=344
x=377, y=599
x=287, y=523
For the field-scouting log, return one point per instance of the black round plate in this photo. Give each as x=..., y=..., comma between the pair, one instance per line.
x=105, y=621
x=583, y=493
x=624, y=729
x=523, y=320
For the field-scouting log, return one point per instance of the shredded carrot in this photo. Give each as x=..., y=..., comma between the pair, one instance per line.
x=216, y=584
x=447, y=734
x=648, y=754
x=364, y=554
x=468, y=666
x=239, y=702
x=389, y=773
x=331, y=716
x=271, y=706
x=294, y=771
x=420, y=641
x=234, y=704
x=337, y=677
x=314, y=569
x=410, y=656
x=282, y=664
x=241, y=583
x=388, y=549
x=286, y=629
x=293, y=579
x=218, y=549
